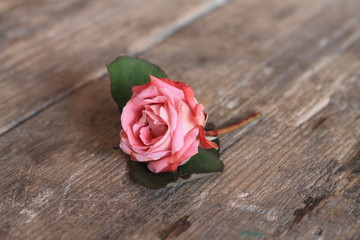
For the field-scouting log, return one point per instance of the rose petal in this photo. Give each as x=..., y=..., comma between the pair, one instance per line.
x=155, y=100
x=162, y=166
x=131, y=110
x=189, y=95
x=171, y=163
x=173, y=116
x=192, y=102
x=188, y=118
x=165, y=85
x=141, y=123
x=155, y=108
x=204, y=142
x=164, y=143
x=177, y=130
x=153, y=156
x=124, y=143
x=138, y=89
x=149, y=92
x=199, y=115
x=157, y=130
x=134, y=140
x=185, y=152
x=191, y=151
x=171, y=82
x=164, y=115
x=155, y=118
x=145, y=135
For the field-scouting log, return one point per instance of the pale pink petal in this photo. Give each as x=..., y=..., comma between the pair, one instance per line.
x=134, y=140
x=124, y=143
x=171, y=163
x=162, y=166
x=140, y=157
x=156, y=118
x=149, y=93
x=171, y=98
x=158, y=166
x=164, y=143
x=173, y=116
x=178, y=133
x=191, y=151
x=188, y=150
x=131, y=112
x=155, y=108
x=141, y=123
x=155, y=100
x=153, y=156
x=164, y=115
x=145, y=135
x=163, y=84
x=140, y=149
x=187, y=118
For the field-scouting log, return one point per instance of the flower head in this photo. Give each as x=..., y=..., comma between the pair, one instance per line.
x=163, y=125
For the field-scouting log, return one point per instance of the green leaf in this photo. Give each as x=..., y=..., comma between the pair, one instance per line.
x=205, y=163
x=142, y=174
x=216, y=151
x=126, y=72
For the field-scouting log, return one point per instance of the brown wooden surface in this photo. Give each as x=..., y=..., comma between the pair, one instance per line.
x=50, y=49
x=294, y=174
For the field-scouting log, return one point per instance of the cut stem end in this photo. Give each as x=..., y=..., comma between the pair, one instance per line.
x=234, y=126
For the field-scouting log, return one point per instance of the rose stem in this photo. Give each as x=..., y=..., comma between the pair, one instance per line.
x=234, y=126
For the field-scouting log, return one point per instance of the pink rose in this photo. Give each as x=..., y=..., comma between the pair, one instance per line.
x=163, y=125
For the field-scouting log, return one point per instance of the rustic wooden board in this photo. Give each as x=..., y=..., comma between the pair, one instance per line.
x=41, y=42
x=294, y=174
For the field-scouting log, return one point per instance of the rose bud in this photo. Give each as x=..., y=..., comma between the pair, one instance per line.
x=163, y=125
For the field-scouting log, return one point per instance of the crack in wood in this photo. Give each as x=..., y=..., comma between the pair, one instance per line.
x=310, y=205
x=319, y=122
x=177, y=228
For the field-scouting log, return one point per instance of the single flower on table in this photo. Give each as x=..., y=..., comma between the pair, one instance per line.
x=163, y=125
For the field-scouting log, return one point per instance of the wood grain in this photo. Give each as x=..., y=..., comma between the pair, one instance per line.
x=293, y=174
x=42, y=41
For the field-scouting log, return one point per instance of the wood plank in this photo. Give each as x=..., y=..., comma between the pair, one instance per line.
x=289, y=166
x=51, y=48
x=292, y=175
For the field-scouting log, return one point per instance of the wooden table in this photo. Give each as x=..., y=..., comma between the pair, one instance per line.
x=293, y=174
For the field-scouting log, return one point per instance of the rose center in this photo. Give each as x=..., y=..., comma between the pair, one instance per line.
x=156, y=128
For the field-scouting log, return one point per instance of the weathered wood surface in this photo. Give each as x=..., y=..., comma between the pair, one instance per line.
x=294, y=174
x=42, y=42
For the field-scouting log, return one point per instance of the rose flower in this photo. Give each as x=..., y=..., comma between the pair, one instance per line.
x=163, y=125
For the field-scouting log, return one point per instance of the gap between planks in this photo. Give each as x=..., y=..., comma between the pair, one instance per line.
x=140, y=47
